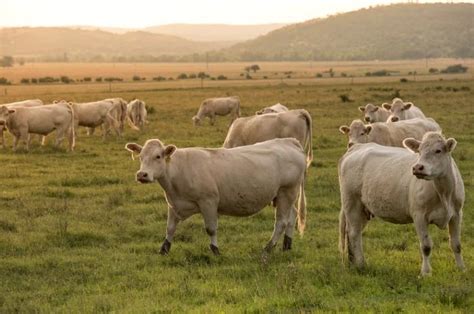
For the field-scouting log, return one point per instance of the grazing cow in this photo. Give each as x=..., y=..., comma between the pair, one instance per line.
x=94, y=114
x=259, y=128
x=213, y=107
x=235, y=182
x=13, y=105
x=40, y=120
x=420, y=184
x=375, y=113
x=403, y=111
x=136, y=114
x=119, y=112
x=273, y=109
x=388, y=134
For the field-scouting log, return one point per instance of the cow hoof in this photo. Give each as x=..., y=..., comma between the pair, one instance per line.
x=287, y=243
x=214, y=249
x=269, y=247
x=165, y=247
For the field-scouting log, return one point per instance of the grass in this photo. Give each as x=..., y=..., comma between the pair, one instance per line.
x=78, y=234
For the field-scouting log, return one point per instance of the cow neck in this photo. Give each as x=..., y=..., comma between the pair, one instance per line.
x=165, y=179
x=445, y=186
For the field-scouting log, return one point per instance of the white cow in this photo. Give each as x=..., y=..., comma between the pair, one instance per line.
x=119, y=112
x=40, y=120
x=374, y=113
x=403, y=111
x=259, y=128
x=236, y=182
x=97, y=113
x=420, y=184
x=213, y=107
x=388, y=134
x=13, y=105
x=273, y=109
x=136, y=114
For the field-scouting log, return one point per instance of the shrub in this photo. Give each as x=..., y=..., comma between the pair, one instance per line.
x=159, y=78
x=66, y=80
x=343, y=74
x=192, y=76
x=319, y=75
x=345, y=98
x=136, y=78
x=98, y=79
x=403, y=80
x=87, y=79
x=4, y=81
x=248, y=77
x=34, y=80
x=433, y=70
x=222, y=77
x=265, y=77
x=113, y=79
x=47, y=79
x=25, y=81
x=182, y=76
x=456, y=68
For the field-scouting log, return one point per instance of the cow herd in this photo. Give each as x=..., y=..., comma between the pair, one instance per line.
x=398, y=166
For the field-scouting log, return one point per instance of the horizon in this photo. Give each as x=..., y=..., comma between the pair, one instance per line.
x=38, y=14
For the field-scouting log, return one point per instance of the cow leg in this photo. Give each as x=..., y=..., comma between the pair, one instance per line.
x=356, y=221
x=287, y=239
x=170, y=230
x=24, y=137
x=426, y=244
x=90, y=131
x=284, y=206
x=16, y=138
x=455, y=239
x=209, y=213
x=3, y=137
x=43, y=140
x=212, y=119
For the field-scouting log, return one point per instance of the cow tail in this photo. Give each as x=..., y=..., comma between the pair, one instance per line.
x=302, y=206
x=309, y=137
x=131, y=124
x=72, y=130
x=342, y=233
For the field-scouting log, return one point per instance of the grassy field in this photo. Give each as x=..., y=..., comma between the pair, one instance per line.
x=78, y=234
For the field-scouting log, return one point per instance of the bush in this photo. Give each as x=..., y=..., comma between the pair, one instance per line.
x=87, y=79
x=345, y=98
x=192, y=76
x=433, y=70
x=343, y=74
x=113, y=79
x=182, y=76
x=318, y=75
x=159, y=78
x=4, y=81
x=403, y=80
x=34, y=80
x=248, y=77
x=136, y=78
x=47, y=79
x=66, y=80
x=222, y=77
x=98, y=79
x=265, y=77
x=456, y=68
x=25, y=81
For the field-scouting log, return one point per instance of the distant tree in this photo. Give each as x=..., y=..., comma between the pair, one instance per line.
x=7, y=61
x=254, y=68
x=247, y=69
x=202, y=76
x=182, y=76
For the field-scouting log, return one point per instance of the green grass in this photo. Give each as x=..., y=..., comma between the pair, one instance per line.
x=78, y=234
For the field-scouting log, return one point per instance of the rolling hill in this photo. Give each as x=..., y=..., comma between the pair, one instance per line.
x=400, y=31
x=79, y=44
x=215, y=32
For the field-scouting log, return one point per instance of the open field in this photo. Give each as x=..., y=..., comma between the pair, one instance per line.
x=77, y=234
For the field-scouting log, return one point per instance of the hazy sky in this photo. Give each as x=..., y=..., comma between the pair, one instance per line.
x=141, y=13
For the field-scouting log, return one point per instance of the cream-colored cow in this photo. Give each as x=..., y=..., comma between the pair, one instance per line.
x=213, y=107
x=136, y=114
x=374, y=113
x=400, y=110
x=40, y=120
x=294, y=123
x=97, y=113
x=273, y=109
x=388, y=134
x=420, y=185
x=237, y=182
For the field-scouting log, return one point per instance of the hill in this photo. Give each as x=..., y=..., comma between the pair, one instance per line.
x=215, y=32
x=400, y=31
x=80, y=44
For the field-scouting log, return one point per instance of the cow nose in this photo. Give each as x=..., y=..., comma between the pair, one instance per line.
x=367, y=119
x=350, y=144
x=418, y=168
x=394, y=119
x=142, y=176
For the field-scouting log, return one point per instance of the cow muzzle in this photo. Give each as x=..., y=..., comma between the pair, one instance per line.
x=367, y=119
x=418, y=171
x=350, y=144
x=2, y=122
x=143, y=177
x=394, y=119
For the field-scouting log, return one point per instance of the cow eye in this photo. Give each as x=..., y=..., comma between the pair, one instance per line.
x=438, y=151
x=362, y=133
x=158, y=157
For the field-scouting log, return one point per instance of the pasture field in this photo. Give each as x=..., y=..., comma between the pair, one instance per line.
x=78, y=234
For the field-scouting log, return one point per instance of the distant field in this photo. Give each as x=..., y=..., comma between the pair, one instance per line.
x=78, y=234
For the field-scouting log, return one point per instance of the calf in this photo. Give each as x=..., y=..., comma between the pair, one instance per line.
x=236, y=182
x=420, y=184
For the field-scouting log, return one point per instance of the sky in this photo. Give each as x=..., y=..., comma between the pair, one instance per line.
x=143, y=13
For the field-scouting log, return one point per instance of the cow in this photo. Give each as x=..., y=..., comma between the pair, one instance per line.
x=40, y=120
x=272, y=109
x=374, y=113
x=136, y=114
x=420, y=184
x=13, y=105
x=388, y=134
x=259, y=128
x=119, y=112
x=403, y=111
x=235, y=182
x=213, y=107
x=94, y=114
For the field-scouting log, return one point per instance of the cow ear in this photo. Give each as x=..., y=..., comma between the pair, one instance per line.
x=258, y=112
x=375, y=109
x=450, y=144
x=362, y=109
x=387, y=106
x=11, y=110
x=169, y=150
x=407, y=105
x=412, y=144
x=134, y=148
x=344, y=129
x=368, y=129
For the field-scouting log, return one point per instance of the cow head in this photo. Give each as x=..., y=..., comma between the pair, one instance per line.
x=358, y=132
x=434, y=155
x=369, y=112
x=153, y=158
x=398, y=109
x=196, y=121
x=4, y=114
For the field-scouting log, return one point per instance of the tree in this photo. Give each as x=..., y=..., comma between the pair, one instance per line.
x=254, y=68
x=202, y=76
x=7, y=61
